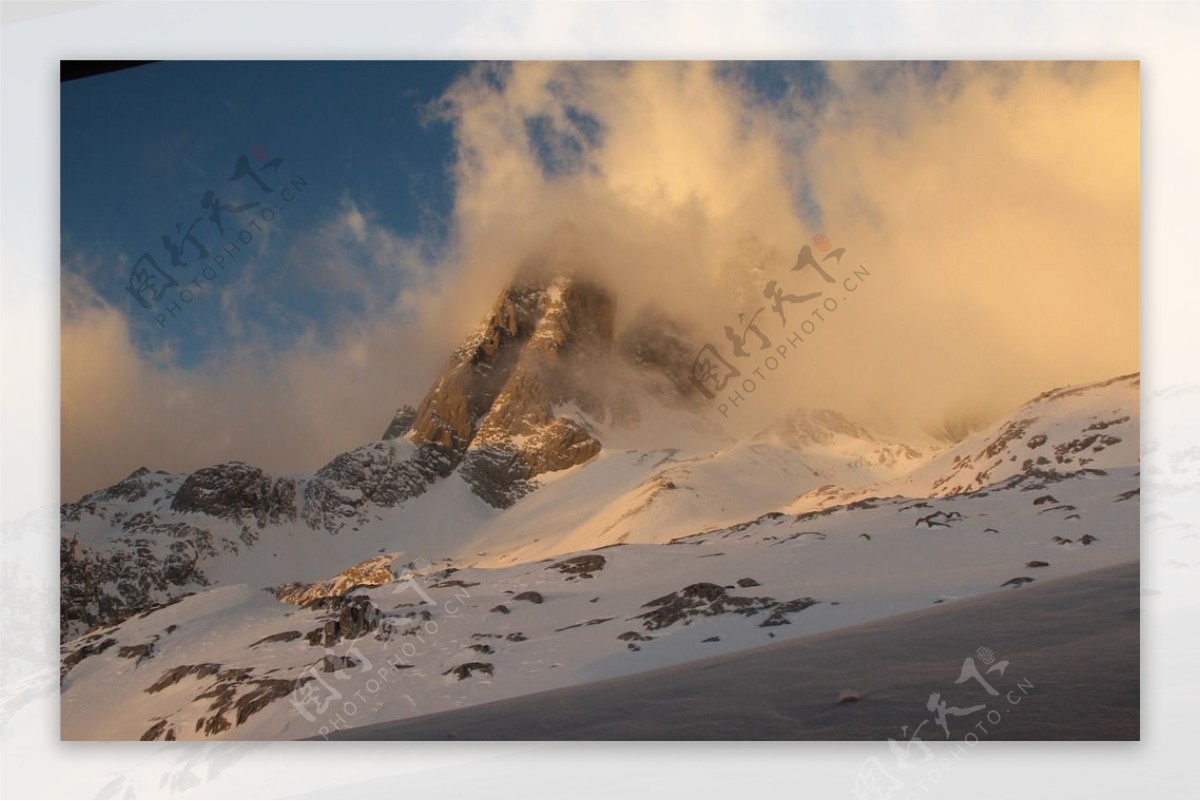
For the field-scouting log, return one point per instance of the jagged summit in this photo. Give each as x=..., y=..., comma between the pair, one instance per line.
x=493, y=404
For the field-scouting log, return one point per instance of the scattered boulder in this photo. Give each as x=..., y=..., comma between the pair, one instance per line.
x=580, y=567
x=1017, y=582
x=1036, y=563
x=940, y=519
x=464, y=671
x=702, y=599
x=530, y=595
x=779, y=615
x=747, y=582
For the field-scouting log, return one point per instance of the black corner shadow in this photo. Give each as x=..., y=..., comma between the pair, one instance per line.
x=75, y=70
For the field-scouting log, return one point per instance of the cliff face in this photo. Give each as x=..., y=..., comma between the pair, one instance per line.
x=493, y=404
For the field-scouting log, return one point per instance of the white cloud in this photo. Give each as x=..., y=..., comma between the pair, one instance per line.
x=997, y=211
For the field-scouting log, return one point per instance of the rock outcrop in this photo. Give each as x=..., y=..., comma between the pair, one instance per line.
x=493, y=405
x=401, y=422
x=237, y=492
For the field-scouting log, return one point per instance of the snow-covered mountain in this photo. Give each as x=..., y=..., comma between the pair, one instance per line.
x=557, y=509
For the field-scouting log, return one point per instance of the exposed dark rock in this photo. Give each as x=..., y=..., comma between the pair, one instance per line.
x=352, y=617
x=747, y=582
x=83, y=652
x=332, y=663
x=1036, y=563
x=283, y=636
x=379, y=474
x=465, y=670
x=532, y=596
x=580, y=566
x=156, y=731
x=237, y=492
x=401, y=422
x=99, y=588
x=501, y=608
x=140, y=652
x=1017, y=582
x=441, y=585
x=942, y=519
x=778, y=616
x=594, y=622
x=699, y=600
x=176, y=675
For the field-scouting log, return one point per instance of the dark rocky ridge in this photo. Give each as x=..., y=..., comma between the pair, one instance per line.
x=237, y=492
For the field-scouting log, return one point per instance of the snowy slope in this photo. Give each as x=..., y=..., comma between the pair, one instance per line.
x=133, y=544
x=461, y=630
x=1089, y=427
x=1066, y=642
x=571, y=515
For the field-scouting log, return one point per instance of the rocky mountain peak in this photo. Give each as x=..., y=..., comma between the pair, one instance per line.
x=493, y=404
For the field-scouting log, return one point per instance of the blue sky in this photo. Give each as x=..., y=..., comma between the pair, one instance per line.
x=140, y=147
